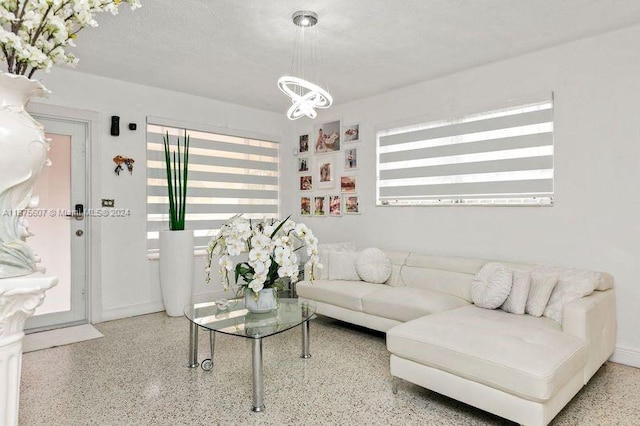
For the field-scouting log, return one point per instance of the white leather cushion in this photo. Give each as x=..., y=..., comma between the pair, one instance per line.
x=541, y=287
x=342, y=266
x=601, y=280
x=454, y=283
x=344, y=294
x=407, y=303
x=564, y=292
x=491, y=286
x=518, y=354
x=517, y=300
x=373, y=265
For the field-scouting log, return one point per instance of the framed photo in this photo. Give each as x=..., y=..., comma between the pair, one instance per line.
x=303, y=165
x=335, y=205
x=303, y=144
x=352, y=133
x=305, y=206
x=350, y=159
x=351, y=204
x=327, y=137
x=319, y=206
x=348, y=184
x=325, y=173
x=306, y=183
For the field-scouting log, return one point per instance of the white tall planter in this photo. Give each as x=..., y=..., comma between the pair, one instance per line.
x=19, y=298
x=176, y=270
x=23, y=152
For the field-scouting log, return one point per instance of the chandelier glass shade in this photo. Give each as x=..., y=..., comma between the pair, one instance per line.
x=305, y=96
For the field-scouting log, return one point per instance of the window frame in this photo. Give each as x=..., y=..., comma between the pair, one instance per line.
x=199, y=249
x=488, y=112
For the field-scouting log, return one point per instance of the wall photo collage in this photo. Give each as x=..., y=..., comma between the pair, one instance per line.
x=327, y=159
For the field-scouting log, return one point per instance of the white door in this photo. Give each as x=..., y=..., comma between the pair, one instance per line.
x=59, y=225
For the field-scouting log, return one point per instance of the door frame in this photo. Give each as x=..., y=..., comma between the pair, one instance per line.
x=93, y=259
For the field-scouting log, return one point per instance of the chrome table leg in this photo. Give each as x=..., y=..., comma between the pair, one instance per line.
x=258, y=386
x=207, y=364
x=305, y=340
x=193, y=345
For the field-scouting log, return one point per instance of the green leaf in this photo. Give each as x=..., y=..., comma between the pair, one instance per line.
x=177, y=168
x=280, y=226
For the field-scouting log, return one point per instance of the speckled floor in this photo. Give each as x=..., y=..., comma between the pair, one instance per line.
x=137, y=374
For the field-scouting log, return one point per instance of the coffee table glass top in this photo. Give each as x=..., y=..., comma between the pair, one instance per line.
x=237, y=321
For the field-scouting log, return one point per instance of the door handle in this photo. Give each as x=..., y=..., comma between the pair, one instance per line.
x=78, y=212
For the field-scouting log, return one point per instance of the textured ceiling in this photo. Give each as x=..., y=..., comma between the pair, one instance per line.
x=235, y=50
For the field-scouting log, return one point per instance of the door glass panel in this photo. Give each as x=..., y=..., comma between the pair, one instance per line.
x=52, y=229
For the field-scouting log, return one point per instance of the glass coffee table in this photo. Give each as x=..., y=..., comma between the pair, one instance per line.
x=235, y=320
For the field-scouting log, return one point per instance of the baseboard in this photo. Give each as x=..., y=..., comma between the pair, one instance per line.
x=627, y=356
x=210, y=296
x=132, y=310
x=158, y=306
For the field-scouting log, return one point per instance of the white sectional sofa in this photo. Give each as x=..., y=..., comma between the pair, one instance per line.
x=519, y=367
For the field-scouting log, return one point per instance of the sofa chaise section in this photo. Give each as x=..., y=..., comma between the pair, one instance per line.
x=520, y=367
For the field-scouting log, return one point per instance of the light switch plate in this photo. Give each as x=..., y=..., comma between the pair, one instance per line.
x=106, y=202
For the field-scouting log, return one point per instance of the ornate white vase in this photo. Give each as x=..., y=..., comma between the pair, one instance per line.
x=23, y=152
x=176, y=270
x=264, y=301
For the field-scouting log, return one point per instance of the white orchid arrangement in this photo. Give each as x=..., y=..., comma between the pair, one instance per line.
x=272, y=247
x=34, y=34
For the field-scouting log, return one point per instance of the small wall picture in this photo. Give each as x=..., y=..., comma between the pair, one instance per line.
x=352, y=133
x=351, y=159
x=303, y=165
x=335, y=205
x=327, y=137
x=351, y=204
x=303, y=144
x=305, y=206
x=306, y=183
x=319, y=206
x=348, y=184
x=325, y=173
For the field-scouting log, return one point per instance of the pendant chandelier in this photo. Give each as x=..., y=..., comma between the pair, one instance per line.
x=305, y=95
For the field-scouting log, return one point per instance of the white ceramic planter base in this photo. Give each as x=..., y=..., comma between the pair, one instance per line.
x=265, y=302
x=19, y=298
x=176, y=270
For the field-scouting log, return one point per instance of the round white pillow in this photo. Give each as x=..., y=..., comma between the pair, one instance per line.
x=373, y=265
x=491, y=286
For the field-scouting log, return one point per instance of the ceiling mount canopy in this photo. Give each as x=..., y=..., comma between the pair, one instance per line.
x=305, y=95
x=305, y=18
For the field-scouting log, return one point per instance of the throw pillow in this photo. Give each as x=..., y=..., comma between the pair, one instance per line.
x=373, y=265
x=323, y=254
x=491, y=286
x=343, y=266
x=541, y=287
x=564, y=292
x=517, y=300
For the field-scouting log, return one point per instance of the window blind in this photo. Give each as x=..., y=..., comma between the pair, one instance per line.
x=227, y=175
x=500, y=157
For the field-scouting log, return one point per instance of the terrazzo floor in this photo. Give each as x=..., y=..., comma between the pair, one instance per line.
x=137, y=375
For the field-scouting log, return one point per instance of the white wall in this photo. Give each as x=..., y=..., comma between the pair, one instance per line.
x=130, y=284
x=595, y=223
